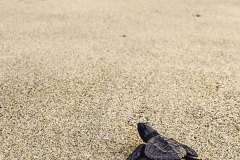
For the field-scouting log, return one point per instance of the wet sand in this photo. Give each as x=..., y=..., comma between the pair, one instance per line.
x=76, y=76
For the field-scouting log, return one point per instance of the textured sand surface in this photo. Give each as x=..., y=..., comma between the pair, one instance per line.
x=77, y=75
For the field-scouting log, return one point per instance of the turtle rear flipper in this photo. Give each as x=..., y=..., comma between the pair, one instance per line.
x=190, y=151
x=137, y=153
x=192, y=158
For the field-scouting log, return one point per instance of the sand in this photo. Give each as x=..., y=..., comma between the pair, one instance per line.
x=76, y=76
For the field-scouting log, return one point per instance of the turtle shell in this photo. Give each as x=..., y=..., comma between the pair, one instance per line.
x=161, y=148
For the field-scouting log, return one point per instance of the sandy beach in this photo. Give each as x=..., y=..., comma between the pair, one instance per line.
x=77, y=76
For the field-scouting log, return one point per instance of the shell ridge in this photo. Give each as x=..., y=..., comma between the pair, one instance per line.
x=161, y=148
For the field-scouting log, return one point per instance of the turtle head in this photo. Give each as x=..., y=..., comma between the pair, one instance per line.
x=146, y=132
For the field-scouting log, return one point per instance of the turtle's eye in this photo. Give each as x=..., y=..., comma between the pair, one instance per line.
x=149, y=128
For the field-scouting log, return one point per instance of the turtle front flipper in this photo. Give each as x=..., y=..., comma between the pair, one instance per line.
x=137, y=153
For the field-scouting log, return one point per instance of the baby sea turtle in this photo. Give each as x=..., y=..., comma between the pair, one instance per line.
x=159, y=147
